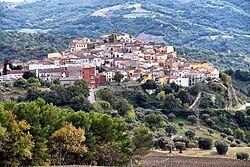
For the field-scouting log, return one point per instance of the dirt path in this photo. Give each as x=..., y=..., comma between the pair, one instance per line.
x=156, y=159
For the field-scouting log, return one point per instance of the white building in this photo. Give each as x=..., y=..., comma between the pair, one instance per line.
x=42, y=65
x=179, y=81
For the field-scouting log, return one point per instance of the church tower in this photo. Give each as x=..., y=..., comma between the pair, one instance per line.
x=115, y=34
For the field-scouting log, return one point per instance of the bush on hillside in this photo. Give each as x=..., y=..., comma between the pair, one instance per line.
x=221, y=147
x=170, y=146
x=190, y=133
x=205, y=116
x=192, y=119
x=180, y=146
x=159, y=143
x=237, y=141
x=149, y=84
x=210, y=122
x=223, y=135
x=233, y=145
x=171, y=116
x=228, y=131
x=205, y=143
x=171, y=130
x=192, y=144
x=181, y=124
x=239, y=134
x=210, y=131
x=242, y=155
x=230, y=138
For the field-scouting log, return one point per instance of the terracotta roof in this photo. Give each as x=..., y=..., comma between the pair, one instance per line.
x=100, y=75
x=124, y=62
x=117, y=59
x=88, y=57
x=88, y=67
x=58, y=70
x=174, y=77
x=96, y=51
x=17, y=71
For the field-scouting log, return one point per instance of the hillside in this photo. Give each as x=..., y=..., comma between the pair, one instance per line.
x=26, y=46
x=219, y=25
x=59, y=122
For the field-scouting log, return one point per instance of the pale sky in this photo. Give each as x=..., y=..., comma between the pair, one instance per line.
x=11, y=0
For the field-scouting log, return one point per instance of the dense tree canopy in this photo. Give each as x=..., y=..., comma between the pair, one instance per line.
x=36, y=133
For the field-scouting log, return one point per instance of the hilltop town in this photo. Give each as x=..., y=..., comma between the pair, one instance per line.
x=179, y=105
x=98, y=61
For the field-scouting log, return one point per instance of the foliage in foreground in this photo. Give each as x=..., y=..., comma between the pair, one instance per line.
x=36, y=133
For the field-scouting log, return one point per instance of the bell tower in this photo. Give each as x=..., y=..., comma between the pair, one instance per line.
x=115, y=35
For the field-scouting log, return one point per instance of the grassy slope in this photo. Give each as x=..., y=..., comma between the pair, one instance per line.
x=200, y=129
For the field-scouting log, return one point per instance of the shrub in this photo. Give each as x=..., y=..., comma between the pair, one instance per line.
x=223, y=135
x=246, y=140
x=159, y=143
x=230, y=138
x=215, y=127
x=105, y=105
x=242, y=155
x=180, y=146
x=192, y=144
x=210, y=131
x=205, y=143
x=233, y=145
x=160, y=133
x=181, y=139
x=192, y=119
x=181, y=124
x=171, y=116
x=205, y=116
x=154, y=120
x=149, y=84
x=239, y=134
x=21, y=82
x=221, y=147
x=170, y=129
x=210, y=122
x=196, y=138
x=237, y=141
x=169, y=146
x=190, y=133
x=228, y=131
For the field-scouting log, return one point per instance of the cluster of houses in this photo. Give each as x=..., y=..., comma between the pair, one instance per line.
x=98, y=61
